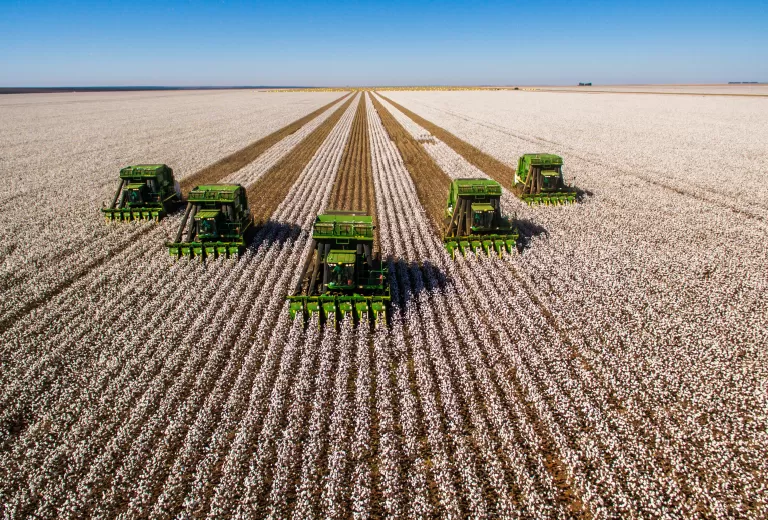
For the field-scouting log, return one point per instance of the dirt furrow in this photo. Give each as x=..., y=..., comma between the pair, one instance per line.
x=266, y=194
x=494, y=168
x=351, y=191
x=237, y=160
x=431, y=182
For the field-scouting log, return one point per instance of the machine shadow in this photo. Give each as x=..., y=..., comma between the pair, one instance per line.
x=582, y=195
x=528, y=230
x=411, y=279
x=272, y=232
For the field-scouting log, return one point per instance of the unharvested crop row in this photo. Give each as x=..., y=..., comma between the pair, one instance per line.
x=448, y=492
x=62, y=159
x=85, y=317
x=572, y=427
x=612, y=351
x=446, y=156
x=534, y=385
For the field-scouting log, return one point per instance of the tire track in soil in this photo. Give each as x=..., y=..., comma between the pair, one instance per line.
x=266, y=194
x=431, y=182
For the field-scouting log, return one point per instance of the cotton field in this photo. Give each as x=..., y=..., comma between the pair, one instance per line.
x=614, y=366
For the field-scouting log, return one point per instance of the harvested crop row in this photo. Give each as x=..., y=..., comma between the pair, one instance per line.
x=266, y=161
x=353, y=189
x=241, y=158
x=491, y=166
x=431, y=182
x=271, y=189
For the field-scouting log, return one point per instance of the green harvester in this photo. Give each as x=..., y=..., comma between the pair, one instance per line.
x=473, y=219
x=146, y=191
x=539, y=180
x=217, y=222
x=341, y=275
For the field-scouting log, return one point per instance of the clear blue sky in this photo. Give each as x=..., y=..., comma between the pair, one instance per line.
x=381, y=43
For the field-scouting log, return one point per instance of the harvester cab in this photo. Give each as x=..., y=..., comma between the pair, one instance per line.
x=473, y=218
x=539, y=180
x=217, y=222
x=146, y=191
x=341, y=275
x=205, y=222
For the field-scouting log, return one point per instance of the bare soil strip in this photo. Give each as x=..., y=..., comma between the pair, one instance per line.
x=266, y=194
x=353, y=189
x=431, y=182
x=237, y=160
x=494, y=168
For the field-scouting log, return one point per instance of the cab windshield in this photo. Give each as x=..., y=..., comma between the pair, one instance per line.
x=482, y=219
x=134, y=196
x=208, y=227
x=342, y=275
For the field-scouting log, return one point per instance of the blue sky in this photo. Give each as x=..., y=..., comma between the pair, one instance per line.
x=381, y=43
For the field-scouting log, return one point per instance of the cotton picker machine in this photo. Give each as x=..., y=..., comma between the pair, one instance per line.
x=341, y=275
x=217, y=222
x=473, y=219
x=539, y=180
x=146, y=191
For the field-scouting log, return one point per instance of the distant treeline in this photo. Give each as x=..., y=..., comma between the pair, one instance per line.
x=43, y=90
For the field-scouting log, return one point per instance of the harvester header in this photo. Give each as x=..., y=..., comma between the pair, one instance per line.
x=217, y=222
x=341, y=275
x=146, y=191
x=473, y=218
x=539, y=180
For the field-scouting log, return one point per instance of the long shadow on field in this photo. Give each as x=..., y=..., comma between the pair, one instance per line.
x=410, y=279
x=272, y=232
x=582, y=195
x=528, y=229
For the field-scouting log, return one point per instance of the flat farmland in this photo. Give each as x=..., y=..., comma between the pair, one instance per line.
x=615, y=366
